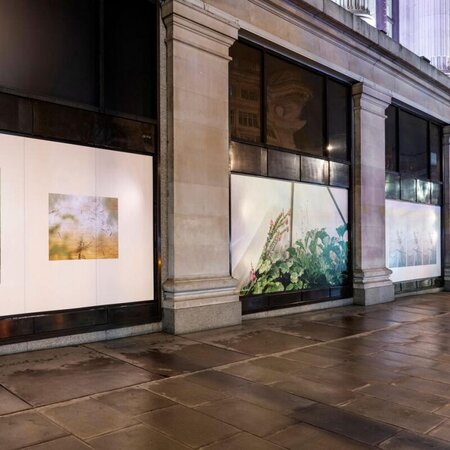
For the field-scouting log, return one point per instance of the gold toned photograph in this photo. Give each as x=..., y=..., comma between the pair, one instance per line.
x=83, y=227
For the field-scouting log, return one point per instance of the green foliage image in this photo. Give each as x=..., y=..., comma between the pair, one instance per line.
x=316, y=260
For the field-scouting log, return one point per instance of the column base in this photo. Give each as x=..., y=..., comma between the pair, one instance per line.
x=372, y=287
x=197, y=305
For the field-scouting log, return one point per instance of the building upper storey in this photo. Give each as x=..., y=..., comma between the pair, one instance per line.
x=422, y=26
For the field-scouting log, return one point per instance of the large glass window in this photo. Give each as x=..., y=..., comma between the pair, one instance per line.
x=100, y=54
x=391, y=139
x=280, y=104
x=294, y=107
x=337, y=119
x=435, y=152
x=414, y=153
x=413, y=145
x=413, y=197
x=130, y=56
x=245, y=93
x=49, y=48
x=289, y=157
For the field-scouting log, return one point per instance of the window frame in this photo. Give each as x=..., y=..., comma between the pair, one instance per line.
x=100, y=83
x=263, y=101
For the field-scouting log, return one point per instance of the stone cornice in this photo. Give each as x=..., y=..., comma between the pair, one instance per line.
x=373, y=37
x=202, y=26
x=374, y=100
x=333, y=24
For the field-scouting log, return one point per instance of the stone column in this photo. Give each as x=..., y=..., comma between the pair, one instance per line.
x=446, y=205
x=199, y=292
x=371, y=283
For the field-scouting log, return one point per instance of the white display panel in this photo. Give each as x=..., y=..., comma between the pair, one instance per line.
x=255, y=203
x=413, y=240
x=76, y=226
x=287, y=236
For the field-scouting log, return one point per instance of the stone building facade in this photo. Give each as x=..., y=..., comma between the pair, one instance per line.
x=200, y=292
x=270, y=171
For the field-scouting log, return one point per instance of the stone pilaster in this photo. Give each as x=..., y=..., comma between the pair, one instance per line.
x=371, y=284
x=199, y=292
x=446, y=205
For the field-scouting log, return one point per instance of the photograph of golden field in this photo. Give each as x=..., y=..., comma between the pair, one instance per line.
x=82, y=227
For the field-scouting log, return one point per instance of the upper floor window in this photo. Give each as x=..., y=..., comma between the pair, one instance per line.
x=413, y=157
x=281, y=104
x=90, y=53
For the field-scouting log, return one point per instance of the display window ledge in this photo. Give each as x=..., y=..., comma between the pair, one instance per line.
x=20, y=328
x=418, y=286
x=266, y=302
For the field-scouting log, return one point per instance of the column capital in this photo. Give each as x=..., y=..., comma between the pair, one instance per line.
x=194, y=23
x=371, y=98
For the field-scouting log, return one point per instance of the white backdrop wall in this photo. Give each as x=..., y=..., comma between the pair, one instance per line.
x=31, y=170
x=413, y=240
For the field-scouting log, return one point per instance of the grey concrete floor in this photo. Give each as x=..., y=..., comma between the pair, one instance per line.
x=347, y=378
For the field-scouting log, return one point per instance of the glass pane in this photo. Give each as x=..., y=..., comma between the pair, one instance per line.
x=245, y=93
x=130, y=57
x=339, y=174
x=337, y=113
x=423, y=191
x=435, y=152
x=391, y=139
x=392, y=186
x=50, y=48
x=408, y=189
x=314, y=170
x=248, y=159
x=436, y=194
x=413, y=145
x=389, y=28
x=294, y=107
x=284, y=165
x=389, y=8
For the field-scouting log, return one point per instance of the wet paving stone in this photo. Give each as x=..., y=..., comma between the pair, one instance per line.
x=396, y=394
x=361, y=324
x=246, y=416
x=182, y=391
x=270, y=398
x=218, y=381
x=410, y=441
x=254, y=342
x=243, y=441
x=87, y=418
x=26, y=429
x=167, y=355
x=134, y=401
x=445, y=411
x=251, y=371
x=315, y=360
x=312, y=438
x=426, y=386
x=315, y=391
x=137, y=437
x=65, y=443
x=353, y=426
x=51, y=376
x=9, y=403
x=442, y=431
x=317, y=331
x=188, y=426
x=346, y=378
x=394, y=414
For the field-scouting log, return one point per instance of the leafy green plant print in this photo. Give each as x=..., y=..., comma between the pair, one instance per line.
x=316, y=260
